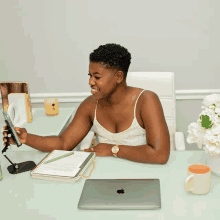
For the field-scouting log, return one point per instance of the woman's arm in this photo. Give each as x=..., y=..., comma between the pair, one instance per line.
x=141, y=154
x=157, y=133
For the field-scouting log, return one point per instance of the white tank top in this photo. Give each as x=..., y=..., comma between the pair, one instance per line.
x=135, y=135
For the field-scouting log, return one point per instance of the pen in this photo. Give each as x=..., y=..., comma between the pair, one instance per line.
x=57, y=158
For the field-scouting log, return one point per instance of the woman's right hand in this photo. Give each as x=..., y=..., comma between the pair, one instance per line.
x=21, y=132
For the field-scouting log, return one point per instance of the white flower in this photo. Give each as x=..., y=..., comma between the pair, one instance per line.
x=208, y=112
x=212, y=148
x=206, y=149
x=217, y=110
x=207, y=129
x=216, y=120
x=218, y=140
x=211, y=99
x=196, y=133
x=216, y=129
x=200, y=143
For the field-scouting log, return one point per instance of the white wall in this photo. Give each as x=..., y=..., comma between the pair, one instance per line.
x=48, y=42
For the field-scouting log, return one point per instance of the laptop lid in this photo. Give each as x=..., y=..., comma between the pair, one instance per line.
x=119, y=194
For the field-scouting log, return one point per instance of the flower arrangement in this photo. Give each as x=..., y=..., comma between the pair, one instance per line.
x=207, y=129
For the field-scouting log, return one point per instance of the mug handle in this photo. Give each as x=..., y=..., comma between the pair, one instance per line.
x=186, y=182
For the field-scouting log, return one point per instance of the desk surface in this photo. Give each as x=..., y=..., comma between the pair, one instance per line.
x=27, y=198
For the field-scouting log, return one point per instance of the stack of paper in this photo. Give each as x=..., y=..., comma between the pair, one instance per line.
x=66, y=169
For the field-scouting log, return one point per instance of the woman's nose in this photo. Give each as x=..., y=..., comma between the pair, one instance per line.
x=91, y=82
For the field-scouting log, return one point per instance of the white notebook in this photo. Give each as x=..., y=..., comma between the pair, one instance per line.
x=66, y=169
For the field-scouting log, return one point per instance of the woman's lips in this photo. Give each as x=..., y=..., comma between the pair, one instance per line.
x=94, y=91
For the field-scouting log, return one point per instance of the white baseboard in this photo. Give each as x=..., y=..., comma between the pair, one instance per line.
x=195, y=94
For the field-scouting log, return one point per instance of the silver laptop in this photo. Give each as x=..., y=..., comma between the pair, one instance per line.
x=119, y=194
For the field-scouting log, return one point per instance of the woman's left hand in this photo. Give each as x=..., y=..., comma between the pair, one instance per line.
x=101, y=149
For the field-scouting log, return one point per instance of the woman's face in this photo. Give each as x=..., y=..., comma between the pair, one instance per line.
x=102, y=80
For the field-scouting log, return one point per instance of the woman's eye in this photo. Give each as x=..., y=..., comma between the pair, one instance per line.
x=95, y=77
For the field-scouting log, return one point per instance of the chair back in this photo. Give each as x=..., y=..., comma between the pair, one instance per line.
x=162, y=83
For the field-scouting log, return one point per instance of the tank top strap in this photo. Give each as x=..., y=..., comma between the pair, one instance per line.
x=95, y=110
x=136, y=104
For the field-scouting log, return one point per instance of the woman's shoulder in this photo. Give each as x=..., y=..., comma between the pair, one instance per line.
x=145, y=95
x=138, y=90
x=144, y=92
x=91, y=103
x=132, y=95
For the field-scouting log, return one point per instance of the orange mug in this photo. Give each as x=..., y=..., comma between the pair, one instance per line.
x=198, y=179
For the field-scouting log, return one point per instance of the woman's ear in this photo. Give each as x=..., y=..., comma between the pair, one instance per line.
x=120, y=76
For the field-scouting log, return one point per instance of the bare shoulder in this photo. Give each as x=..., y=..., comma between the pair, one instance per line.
x=148, y=96
x=91, y=100
x=90, y=104
x=86, y=106
x=151, y=106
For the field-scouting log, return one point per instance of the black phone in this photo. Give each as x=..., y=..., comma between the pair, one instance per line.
x=11, y=128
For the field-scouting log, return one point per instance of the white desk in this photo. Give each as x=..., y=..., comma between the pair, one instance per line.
x=43, y=125
x=26, y=198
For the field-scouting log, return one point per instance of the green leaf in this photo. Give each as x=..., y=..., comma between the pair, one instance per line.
x=206, y=122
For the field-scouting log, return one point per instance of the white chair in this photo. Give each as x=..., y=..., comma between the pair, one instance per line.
x=163, y=84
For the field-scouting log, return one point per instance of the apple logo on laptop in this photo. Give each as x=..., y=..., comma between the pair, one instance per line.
x=120, y=191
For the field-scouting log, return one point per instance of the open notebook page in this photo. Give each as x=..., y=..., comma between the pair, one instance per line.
x=67, y=166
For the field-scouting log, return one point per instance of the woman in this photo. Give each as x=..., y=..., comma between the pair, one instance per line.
x=129, y=122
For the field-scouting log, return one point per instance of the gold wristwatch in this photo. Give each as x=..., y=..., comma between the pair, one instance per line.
x=115, y=150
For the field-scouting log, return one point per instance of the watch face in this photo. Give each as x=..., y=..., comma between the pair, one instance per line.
x=115, y=149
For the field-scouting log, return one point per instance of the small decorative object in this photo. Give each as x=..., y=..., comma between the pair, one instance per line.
x=12, y=87
x=207, y=131
x=16, y=102
x=20, y=107
x=51, y=106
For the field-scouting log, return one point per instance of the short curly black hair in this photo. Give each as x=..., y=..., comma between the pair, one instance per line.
x=112, y=56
